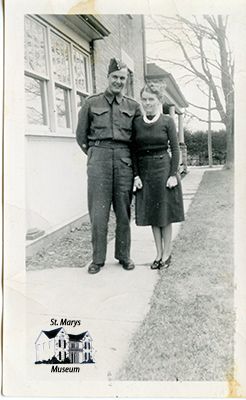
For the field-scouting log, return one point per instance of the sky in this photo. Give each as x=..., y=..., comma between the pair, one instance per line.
x=157, y=48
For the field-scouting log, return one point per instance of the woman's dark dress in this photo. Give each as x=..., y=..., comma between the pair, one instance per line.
x=156, y=204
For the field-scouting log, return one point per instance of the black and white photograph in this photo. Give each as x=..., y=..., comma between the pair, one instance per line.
x=124, y=196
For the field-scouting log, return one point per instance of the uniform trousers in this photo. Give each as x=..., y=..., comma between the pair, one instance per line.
x=110, y=181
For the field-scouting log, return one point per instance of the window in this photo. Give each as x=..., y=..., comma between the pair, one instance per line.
x=36, y=73
x=60, y=356
x=59, y=343
x=57, y=79
x=62, y=78
x=35, y=101
x=65, y=344
x=80, y=73
x=35, y=47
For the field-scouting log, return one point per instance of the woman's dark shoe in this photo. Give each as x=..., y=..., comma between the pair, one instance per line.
x=165, y=264
x=155, y=264
x=94, y=268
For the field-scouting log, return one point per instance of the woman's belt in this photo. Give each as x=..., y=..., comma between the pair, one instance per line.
x=151, y=152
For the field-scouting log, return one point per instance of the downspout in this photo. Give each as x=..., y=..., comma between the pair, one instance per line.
x=93, y=71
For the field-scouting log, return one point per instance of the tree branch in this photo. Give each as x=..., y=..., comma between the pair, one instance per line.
x=201, y=108
x=201, y=119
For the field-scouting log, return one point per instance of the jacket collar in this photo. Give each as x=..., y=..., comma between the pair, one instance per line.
x=110, y=97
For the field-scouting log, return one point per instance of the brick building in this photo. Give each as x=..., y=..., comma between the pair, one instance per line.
x=66, y=59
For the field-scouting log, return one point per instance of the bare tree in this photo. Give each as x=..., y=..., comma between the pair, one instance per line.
x=205, y=55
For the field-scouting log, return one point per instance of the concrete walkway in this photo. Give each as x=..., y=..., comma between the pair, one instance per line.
x=110, y=304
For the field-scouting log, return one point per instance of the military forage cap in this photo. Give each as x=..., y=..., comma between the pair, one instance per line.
x=115, y=65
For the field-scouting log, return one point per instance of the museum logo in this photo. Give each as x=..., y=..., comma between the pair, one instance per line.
x=59, y=347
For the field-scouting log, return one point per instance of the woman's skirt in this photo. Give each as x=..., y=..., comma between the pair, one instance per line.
x=156, y=204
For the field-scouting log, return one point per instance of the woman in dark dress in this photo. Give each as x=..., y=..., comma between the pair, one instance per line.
x=159, y=200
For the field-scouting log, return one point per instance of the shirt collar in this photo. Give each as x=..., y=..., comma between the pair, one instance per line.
x=110, y=97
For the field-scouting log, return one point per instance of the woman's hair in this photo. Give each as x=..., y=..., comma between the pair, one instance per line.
x=153, y=90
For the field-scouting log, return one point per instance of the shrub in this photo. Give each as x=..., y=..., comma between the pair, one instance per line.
x=197, y=147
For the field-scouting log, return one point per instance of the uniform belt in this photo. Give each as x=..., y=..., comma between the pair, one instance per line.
x=108, y=143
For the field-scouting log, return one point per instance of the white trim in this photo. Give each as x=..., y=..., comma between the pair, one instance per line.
x=49, y=134
x=127, y=60
x=50, y=86
x=36, y=75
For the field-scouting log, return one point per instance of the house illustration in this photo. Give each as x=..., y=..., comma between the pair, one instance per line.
x=57, y=345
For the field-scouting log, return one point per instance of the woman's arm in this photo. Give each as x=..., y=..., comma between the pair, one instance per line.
x=173, y=140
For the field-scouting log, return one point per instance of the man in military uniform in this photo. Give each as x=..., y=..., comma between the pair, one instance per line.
x=104, y=133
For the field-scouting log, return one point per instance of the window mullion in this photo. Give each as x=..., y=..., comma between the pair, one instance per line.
x=74, y=108
x=89, y=64
x=51, y=87
x=34, y=75
x=46, y=103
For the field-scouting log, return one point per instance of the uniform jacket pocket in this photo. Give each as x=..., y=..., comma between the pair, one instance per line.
x=100, y=117
x=126, y=118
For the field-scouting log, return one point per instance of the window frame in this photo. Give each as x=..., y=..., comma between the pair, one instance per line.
x=41, y=77
x=52, y=128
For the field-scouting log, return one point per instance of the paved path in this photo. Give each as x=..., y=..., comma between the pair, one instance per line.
x=110, y=304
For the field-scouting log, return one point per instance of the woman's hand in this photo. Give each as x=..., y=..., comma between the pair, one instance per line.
x=172, y=182
x=137, y=183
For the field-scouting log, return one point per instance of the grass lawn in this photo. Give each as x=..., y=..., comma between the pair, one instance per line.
x=187, y=334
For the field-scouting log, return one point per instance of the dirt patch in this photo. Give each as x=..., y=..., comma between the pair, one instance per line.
x=72, y=250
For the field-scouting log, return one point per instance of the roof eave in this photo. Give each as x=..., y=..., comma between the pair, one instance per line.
x=95, y=24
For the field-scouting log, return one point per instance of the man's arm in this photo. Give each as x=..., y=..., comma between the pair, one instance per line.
x=138, y=112
x=83, y=127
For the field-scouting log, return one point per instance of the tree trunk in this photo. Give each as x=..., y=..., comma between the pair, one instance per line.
x=229, y=143
x=229, y=123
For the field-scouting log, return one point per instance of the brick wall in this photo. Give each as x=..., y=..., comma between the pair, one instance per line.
x=126, y=34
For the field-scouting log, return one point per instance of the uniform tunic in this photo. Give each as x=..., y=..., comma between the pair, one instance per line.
x=104, y=133
x=105, y=116
x=156, y=204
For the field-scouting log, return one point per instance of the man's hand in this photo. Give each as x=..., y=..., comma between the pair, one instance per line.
x=137, y=183
x=172, y=182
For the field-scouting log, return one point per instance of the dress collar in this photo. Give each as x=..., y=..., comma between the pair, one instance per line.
x=151, y=121
x=110, y=97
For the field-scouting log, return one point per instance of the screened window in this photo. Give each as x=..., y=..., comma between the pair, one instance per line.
x=60, y=60
x=35, y=47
